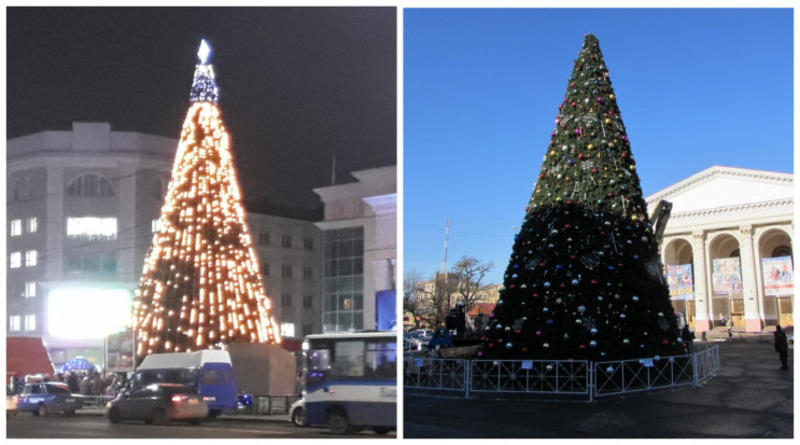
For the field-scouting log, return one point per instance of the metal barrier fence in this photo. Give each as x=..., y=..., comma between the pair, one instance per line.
x=96, y=400
x=707, y=363
x=530, y=376
x=624, y=376
x=561, y=377
x=269, y=405
x=435, y=373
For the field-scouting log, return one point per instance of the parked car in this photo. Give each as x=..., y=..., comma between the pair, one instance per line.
x=297, y=412
x=411, y=343
x=43, y=398
x=158, y=403
x=12, y=403
x=422, y=333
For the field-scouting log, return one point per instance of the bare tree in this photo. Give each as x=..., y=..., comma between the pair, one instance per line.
x=411, y=304
x=470, y=271
x=433, y=298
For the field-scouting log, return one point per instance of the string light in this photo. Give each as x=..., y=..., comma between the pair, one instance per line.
x=200, y=285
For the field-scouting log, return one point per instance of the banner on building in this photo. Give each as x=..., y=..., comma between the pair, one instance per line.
x=727, y=276
x=679, y=278
x=778, y=275
x=119, y=352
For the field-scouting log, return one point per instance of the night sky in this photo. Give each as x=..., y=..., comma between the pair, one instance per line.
x=296, y=84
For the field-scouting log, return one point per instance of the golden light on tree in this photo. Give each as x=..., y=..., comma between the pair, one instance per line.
x=201, y=285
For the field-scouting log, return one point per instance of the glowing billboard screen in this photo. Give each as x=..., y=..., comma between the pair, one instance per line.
x=87, y=312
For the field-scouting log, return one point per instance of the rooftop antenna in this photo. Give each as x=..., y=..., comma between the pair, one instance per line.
x=333, y=161
x=446, y=237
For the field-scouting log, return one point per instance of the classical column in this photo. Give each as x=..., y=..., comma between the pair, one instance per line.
x=752, y=319
x=702, y=296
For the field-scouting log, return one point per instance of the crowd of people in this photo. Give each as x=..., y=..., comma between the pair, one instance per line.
x=85, y=382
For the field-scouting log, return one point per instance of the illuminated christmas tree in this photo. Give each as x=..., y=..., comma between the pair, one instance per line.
x=201, y=286
x=584, y=280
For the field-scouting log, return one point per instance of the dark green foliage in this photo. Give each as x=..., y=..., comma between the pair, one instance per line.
x=585, y=280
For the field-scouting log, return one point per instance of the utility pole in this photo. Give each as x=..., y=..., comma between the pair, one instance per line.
x=444, y=261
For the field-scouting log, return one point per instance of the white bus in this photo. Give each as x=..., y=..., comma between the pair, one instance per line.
x=351, y=381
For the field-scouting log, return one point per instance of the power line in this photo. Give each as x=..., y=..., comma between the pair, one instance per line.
x=439, y=229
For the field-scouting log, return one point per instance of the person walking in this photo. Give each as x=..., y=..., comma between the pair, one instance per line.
x=688, y=338
x=782, y=347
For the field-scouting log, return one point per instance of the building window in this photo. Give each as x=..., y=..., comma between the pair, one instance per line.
x=286, y=271
x=30, y=322
x=90, y=185
x=343, y=298
x=15, y=260
x=14, y=323
x=287, y=330
x=33, y=224
x=89, y=262
x=782, y=251
x=31, y=258
x=308, y=272
x=286, y=300
x=263, y=239
x=286, y=241
x=265, y=269
x=29, y=185
x=30, y=289
x=308, y=243
x=308, y=301
x=155, y=226
x=157, y=189
x=92, y=228
x=16, y=227
x=17, y=187
x=308, y=329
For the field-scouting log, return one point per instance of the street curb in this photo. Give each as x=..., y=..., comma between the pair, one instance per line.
x=100, y=412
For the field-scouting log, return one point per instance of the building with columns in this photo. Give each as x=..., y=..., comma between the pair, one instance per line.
x=728, y=250
x=360, y=253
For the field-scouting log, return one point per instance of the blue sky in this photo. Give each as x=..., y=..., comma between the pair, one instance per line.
x=696, y=88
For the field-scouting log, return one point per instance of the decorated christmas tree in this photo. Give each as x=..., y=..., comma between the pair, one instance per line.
x=201, y=286
x=584, y=280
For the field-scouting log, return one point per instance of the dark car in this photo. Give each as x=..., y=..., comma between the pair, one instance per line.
x=158, y=403
x=44, y=398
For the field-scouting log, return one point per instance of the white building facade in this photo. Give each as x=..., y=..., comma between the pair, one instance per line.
x=81, y=212
x=80, y=208
x=728, y=248
x=290, y=252
x=360, y=252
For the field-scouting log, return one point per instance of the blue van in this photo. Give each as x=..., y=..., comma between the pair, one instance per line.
x=209, y=372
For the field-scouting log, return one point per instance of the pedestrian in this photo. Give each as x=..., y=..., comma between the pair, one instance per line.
x=73, y=382
x=688, y=338
x=782, y=347
x=729, y=323
x=85, y=386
